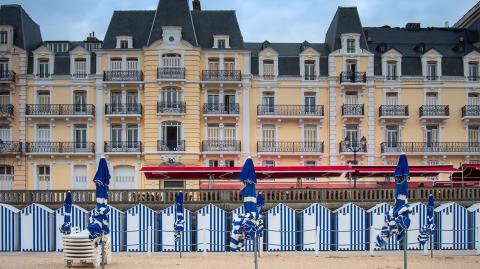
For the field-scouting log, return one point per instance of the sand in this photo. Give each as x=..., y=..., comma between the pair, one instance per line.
x=245, y=261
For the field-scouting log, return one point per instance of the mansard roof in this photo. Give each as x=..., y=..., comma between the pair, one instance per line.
x=210, y=23
x=136, y=24
x=27, y=33
x=345, y=21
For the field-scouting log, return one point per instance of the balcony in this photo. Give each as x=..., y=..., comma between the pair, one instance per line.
x=171, y=145
x=6, y=111
x=7, y=77
x=393, y=111
x=217, y=109
x=59, y=110
x=391, y=78
x=471, y=112
x=290, y=111
x=434, y=112
x=431, y=78
x=77, y=148
x=422, y=148
x=290, y=147
x=123, y=110
x=353, y=110
x=170, y=73
x=353, y=77
x=122, y=76
x=349, y=147
x=473, y=78
x=221, y=146
x=221, y=75
x=121, y=147
x=171, y=108
x=8, y=147
x=268, y=77
x=310, y=77
x=79, y=76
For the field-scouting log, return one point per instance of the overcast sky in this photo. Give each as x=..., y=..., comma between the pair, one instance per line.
x=273, y=20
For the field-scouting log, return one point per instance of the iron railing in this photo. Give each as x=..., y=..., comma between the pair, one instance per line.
x=7, y=76
x=310, y=77
x=393, y=111
x=470, y=111
x=221, y=145
x=473, y=78
x=269, y=77
x=221, y=75
x=431, y=77
x=170, y=73
x=222, y=109
x=391, y=77
x=353, y=110
x=434, y=111
x=277, y=146
x=426, y=147
x=11, y=146
x=60, y=110
x=79, y=75
x=352, y=146
x=123, y=109
x=123, y=76
x=60, y=147
x=290, y=110
x=170, y=145
x=171, y=107
x=123, y=146
x=6, y=110
x=353, y=77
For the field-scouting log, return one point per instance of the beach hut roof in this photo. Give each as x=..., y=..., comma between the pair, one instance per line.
x=40, y=206
x=315, y=204
x=11, y=208
x=446, y=205
x=379, y=205
x=347, y=205
x=474, y=207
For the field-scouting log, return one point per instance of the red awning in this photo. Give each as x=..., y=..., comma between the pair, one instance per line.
x=229, y=173
x=471, y=172
x=415, y=171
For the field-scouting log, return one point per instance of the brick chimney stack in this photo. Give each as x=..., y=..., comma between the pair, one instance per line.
x=196, y=5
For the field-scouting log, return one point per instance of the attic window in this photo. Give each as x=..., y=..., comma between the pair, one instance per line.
x=350, y=45
x=420, y=48
x=124, y=44
x=382, y=47
x=3, y=37
x=58, y=47
x=265, y=44
x=221, y=42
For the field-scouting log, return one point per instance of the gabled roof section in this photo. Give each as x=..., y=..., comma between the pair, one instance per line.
x=346, y=20
x=136, y=24
x=27, y=33
x=210, y=23
x=172, y=13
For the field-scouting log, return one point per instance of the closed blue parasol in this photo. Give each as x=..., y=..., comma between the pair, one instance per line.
x=260, y=205
x=428, y=228
x=67, y=214
x=99, y=220
x=179, y=218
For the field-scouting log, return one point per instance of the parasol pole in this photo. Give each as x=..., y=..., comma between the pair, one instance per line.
x=405, y=246
x=181, y=244
x=431, y=245
x=255, y=250
x=103, y=251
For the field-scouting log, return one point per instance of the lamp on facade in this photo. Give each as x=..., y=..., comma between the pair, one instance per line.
x=355, y=146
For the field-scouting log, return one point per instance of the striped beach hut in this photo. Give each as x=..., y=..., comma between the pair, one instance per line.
x=235, y=213
x=138, y=220
x=312, y=217
x=79, y=218
x=350, y=228
x=418, y=218
x=167, y=235
x=37, y=228
x=473, y=224
x=117, y=228
x=451, y=226
x=9, y=228
x=376, y=219
x=211, y=228
x=281, y=225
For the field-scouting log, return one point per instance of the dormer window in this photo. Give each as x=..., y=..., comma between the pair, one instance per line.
x=124, y=42
x=473, y=71
x=3, y=37
x=221, y=42
x=310, y=70
x=391, y=70
x=58, y=47
x=350, y=45
x=43, y=68
x=80, y=66
x=268, y=70
x=431, y=70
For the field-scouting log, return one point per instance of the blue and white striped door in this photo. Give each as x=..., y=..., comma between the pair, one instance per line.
x=473, y=224
x=418, y=218
x=79, y=218
x=9, y=228
x=248, y=245
x=138, y=220
x=451, y=226
x=167, y=235
x=376, y=218
x=37, y=224
x=281, y=226
x=350, y=227
x=313, y=216
x=211, y=228
x=117, y=228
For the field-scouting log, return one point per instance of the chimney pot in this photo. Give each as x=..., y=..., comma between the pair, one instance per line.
x=196, y=5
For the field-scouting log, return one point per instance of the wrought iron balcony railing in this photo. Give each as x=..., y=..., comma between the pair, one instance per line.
x=11, y=146
x=389, y=77
x=431, y=77
x=123, y=146
x=470, y=111
x=473, y=78
x=350, y=147
x=6, y=110
x=170, y=73
x=171, y=145
x=7, y=76
x=434, y=111
x=60, y=110
x=123, y=109
x=310, y=77
x=221, y=145
x=353, y=77
x=290, y=110
x=79, y=75
x=353, y=110
x=221, y=75
x=393, y=111
x=171, y=107
x=221, y=109
x=268, y=77
x=425, y=147
x=60, y=147
x=294, y=147
x=123, y=76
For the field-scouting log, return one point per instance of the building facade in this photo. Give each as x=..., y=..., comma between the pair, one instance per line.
x=179, y=86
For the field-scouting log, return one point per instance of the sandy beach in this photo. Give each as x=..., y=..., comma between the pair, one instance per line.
x=245, y=261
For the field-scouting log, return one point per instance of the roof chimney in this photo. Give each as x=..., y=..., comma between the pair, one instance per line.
x=196, y=5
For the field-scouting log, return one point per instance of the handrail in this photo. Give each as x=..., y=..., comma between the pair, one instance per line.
x=60, y=109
